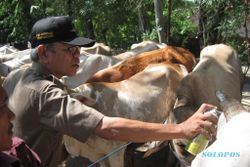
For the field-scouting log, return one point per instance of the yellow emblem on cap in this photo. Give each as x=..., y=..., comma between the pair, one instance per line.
x=44, y=35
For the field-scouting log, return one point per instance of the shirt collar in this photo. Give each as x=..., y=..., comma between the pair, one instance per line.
x=42, y=70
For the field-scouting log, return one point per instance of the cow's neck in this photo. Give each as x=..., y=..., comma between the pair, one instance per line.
x=231, y=108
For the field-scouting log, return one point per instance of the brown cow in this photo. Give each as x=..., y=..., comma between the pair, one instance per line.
x=133, y=65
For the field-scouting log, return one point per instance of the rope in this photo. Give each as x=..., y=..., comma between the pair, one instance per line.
x=109, y=154
x=113, y=152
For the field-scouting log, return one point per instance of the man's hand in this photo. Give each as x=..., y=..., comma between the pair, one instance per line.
x=200, y=122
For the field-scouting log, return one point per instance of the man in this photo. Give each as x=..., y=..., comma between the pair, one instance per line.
x=6, y=116
x=45, y=111
x=13, y=151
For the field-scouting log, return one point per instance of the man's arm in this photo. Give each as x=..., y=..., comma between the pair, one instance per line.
x=122, y=129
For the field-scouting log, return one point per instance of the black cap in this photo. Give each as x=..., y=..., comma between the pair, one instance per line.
x=57, y=29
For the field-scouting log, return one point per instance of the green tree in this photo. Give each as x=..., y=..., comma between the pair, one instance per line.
x=121, y=23
x=15, y=20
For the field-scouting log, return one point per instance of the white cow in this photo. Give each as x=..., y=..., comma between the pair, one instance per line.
x=10, y=65
x=5, y=56
x=141, y=47
x=7, y=49
x=232, y=146
x=98, y=48
x=89, y=65
x=148, y=95
x=219, y=68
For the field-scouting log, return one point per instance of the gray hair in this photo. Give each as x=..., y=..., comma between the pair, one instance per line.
x=34, y=55
x=34, y=52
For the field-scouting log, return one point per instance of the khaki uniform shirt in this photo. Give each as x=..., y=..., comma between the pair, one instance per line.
x=45, y=111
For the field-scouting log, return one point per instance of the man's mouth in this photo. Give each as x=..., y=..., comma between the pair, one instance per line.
x=76, y=65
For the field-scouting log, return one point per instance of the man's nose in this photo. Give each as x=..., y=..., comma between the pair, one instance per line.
x=77, y=53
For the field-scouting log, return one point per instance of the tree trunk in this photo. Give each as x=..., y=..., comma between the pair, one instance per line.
x=43, y=7
x=246, y=19
x=90, y=27
x=168, y=26
x=69, y=4
x=141, y=19
x=158, y=7
x=247, y=39
x=201, y=27
x=214, y=36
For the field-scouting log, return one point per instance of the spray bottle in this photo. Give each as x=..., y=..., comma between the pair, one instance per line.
x=200, y=142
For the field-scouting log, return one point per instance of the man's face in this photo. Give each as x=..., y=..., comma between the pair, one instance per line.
x=6, y=116
x=63, y=59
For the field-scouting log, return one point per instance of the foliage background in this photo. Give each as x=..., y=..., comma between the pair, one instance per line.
x=116, y=23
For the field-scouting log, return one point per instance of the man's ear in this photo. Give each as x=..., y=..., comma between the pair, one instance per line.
x=41, y=52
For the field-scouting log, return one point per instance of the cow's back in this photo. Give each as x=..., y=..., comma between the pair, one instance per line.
x=149, y=91
x=133, y=65
x=148, y=96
